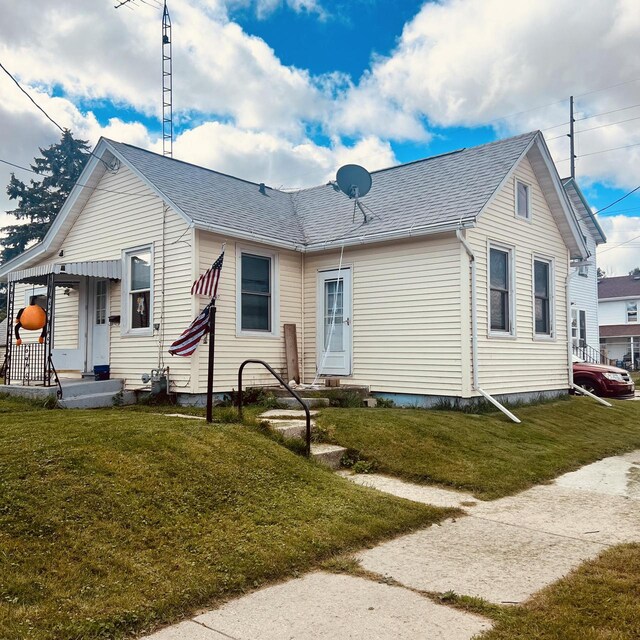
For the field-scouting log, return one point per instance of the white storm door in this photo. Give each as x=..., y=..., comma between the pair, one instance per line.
x=334, y=334
x=98, y=322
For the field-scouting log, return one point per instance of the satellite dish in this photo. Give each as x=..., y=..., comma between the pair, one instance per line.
x=354, y=180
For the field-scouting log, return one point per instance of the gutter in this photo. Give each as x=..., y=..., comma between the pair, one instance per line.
x=474, y=332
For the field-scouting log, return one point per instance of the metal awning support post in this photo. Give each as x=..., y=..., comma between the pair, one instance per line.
x=11, y=291
x=48, y=338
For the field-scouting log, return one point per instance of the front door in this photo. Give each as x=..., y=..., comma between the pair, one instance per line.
x=98, y=330
x=334, y=335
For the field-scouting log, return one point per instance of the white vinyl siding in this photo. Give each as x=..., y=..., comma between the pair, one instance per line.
x=110, y=223
x=233, y=347
x=521, y=364
x=407, y=303
x=583, y=292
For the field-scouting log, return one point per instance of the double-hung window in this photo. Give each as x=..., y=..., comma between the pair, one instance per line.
x=501, y=291
x=632, y=311
x=523, y=200
x=542, y=296
x=256, y=300
x=138, y=290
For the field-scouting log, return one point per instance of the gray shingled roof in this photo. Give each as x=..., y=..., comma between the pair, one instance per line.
x=618, y=287
x=213, y=199
x=442, y=190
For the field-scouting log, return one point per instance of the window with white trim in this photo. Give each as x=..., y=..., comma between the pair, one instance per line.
x=523, y=200
x=501, y=291
x=632, y=311
x=138, y=289
x=256, y=293
x=542, y=296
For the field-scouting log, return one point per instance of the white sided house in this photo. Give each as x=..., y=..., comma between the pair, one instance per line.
x=583, y=288
x=455, y=289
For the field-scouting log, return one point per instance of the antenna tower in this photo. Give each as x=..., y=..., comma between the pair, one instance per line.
x=167, y=85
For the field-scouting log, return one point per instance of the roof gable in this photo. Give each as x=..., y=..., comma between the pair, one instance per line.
x=583, y=210
x=426, y=196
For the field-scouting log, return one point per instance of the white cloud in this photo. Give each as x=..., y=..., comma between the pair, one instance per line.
x=615, y=258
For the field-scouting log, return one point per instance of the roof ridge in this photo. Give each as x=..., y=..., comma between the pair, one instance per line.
x=191, y=164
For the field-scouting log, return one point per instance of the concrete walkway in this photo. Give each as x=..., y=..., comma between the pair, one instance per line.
x=502, y=551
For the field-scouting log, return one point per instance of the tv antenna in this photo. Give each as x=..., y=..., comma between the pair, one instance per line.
x=167, y=85
x=355, y=181
x=167, y=68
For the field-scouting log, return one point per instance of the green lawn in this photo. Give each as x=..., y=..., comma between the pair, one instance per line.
x=601, y=599
x=115, y=521
x=486, y=454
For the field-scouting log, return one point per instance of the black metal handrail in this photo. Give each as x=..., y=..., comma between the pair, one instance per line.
x=589, y=353
x=278, y=377
x=52, y=369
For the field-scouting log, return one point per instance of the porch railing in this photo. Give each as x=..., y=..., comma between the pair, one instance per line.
x=589, y=354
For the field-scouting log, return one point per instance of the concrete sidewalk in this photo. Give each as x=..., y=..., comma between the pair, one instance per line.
x=503, y=551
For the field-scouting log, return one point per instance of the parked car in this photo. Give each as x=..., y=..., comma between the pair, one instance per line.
x=603, y=380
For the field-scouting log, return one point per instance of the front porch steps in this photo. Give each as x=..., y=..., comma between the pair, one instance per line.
x=292, y=424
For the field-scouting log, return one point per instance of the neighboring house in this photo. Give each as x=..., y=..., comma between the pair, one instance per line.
x=3, y=336
x=619, y=303
x=474, y=243
x=583, y=289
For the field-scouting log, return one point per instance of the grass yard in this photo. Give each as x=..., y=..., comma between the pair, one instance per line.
x=601, y=599
x=486, y=454
x=113, y=522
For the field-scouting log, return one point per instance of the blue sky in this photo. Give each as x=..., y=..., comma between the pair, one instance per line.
x=287, y=90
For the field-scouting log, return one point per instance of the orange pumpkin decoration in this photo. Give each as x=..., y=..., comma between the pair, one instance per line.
x=31, y=318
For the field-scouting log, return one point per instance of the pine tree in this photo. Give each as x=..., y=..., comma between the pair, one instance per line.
x=40, y=201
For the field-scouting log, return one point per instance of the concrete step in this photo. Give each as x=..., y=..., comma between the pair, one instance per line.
x=285, y=413
x=89, y=401
x=90, y=387
x=310, y=402
x=329, y=455
x=291, y=428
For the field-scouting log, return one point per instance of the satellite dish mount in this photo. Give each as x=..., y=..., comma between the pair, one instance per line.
x=355, y=181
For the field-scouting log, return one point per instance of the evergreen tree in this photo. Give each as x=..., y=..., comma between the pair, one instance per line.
x=40, y=201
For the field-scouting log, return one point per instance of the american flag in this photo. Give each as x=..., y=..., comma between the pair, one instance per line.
x=186, y=344
x=207, y=283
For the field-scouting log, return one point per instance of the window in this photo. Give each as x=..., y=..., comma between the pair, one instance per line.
x=542, y=297
x=523, y=201
x=632, y=311
x=138, y=287
x=256, y=293
x=101, y=302
x=583, y=271
x=500, y=293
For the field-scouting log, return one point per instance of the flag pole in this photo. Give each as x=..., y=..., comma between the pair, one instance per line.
x=212, y=342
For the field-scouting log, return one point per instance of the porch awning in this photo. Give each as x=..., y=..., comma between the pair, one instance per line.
x=111, y=269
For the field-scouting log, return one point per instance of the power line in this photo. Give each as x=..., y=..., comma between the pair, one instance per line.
x=617, y=246
x=611, y=86
x=626, y=195
x=594, y=153
x=30, y=98
x=79, y=184
x=600, y=126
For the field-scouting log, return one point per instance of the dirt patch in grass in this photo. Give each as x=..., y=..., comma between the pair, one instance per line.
x=113, y=522
x=486, y=454
x=601, y=599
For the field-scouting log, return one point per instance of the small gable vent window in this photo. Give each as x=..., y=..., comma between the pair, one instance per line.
x=523, y=200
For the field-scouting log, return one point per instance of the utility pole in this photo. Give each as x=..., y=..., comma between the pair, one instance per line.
x=167, y=85
x=572, y=138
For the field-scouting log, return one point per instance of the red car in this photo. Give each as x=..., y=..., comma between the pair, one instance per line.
x=603, y=380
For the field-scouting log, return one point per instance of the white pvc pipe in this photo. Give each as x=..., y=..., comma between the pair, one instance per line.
x=474, y=332
x=591, y=395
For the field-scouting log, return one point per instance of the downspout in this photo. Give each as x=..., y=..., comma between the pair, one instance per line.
x=474, y=332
